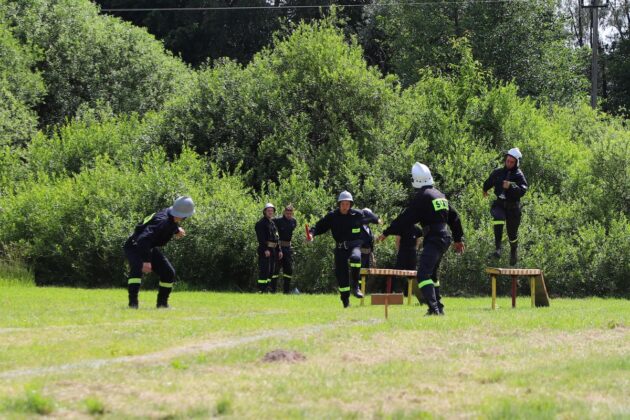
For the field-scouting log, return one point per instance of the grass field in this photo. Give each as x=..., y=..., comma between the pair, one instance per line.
x=76, y=353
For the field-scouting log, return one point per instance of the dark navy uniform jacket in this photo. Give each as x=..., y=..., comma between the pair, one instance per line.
x=366, y=232
x=266, y=231
x=155, y=230
x=432, y=210
x=409, y=238
x=285, y=227
x=344, y=227
x=518, y=184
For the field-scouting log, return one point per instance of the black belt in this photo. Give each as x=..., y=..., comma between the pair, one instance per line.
x=434, y=228
x=348, y=244
x=285, y=244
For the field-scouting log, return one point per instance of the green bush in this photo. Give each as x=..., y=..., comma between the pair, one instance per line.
x=310, y=99
x=71, y=230
x=304, y=120
x=21, y=89
x=91, y=58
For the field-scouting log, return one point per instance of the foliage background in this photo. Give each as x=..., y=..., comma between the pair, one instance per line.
x=103, y=126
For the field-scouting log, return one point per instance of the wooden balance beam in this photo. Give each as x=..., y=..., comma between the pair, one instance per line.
x=392, y=299
x=537, y=287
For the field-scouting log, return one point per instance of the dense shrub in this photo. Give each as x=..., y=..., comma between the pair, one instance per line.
x=300, y=123
x=72, y=229
x=310, y=99
x=91, y=58
x=21, y=89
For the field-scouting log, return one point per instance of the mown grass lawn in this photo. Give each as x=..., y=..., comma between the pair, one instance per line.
x=79, y=353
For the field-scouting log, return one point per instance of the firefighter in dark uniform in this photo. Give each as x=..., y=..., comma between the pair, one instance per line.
x=367, y=248
x=143, y=254
x=509, y=186
x=345, y=224
x=432, y=210
x=407, y=244
x=285, y=225
x=268, y=247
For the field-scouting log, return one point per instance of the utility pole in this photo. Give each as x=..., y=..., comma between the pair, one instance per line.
x=594, y=48
x=594, y=6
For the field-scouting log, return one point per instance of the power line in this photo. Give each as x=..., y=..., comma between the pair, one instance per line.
x=235, y=8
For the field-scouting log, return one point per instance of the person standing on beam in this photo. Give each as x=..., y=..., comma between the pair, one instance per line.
x=509, y=185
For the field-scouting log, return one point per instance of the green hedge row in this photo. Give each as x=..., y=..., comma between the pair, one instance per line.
x=306, y=119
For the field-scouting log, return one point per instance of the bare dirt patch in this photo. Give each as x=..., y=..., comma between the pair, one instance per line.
x=280, y=355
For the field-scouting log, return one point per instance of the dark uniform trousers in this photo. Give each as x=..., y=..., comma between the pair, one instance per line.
x=286, y=264
x=509, y=214
x=266, y=269
x=366, y=260
x=433, y=249
x=160, y=266
x=406, y=259
x=347, y=267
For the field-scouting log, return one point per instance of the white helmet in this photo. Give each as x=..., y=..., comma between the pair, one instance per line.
x=515, y=153
x=345, y=196
x=421, y=175
x=269, y=206
x=182, y=207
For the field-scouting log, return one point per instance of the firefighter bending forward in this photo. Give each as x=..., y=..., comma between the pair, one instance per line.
x=143, y=254
x=345, y=224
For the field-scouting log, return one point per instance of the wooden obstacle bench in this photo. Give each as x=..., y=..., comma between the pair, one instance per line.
x=538, y=290
x=388, y=298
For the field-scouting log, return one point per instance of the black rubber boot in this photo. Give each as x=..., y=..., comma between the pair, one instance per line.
x=428, y=292
x=356, y=291
x=438, y=298
x=162, y=297
x=133, y=290
x=345, y=299
x=286, y=285
x=498, y=235
x=496, y=254
x=262, y=287
x=273, y=284
x=513, y=254
x=355, y=283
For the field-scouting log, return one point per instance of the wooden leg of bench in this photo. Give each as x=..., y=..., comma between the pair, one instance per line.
x=532, y=290
x=363, y=281
x=513, y=291
x=409, y=289
x=494, y=292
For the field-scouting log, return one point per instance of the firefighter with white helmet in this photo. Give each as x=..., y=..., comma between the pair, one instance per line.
x=268, y=247
x=345, y=225
x=143, y=253
x=432, y=210
x=509, y=186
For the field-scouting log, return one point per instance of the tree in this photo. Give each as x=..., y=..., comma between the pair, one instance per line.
x=231, y=32
x=21, y=89
x=87, y=58
x=523, y=42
